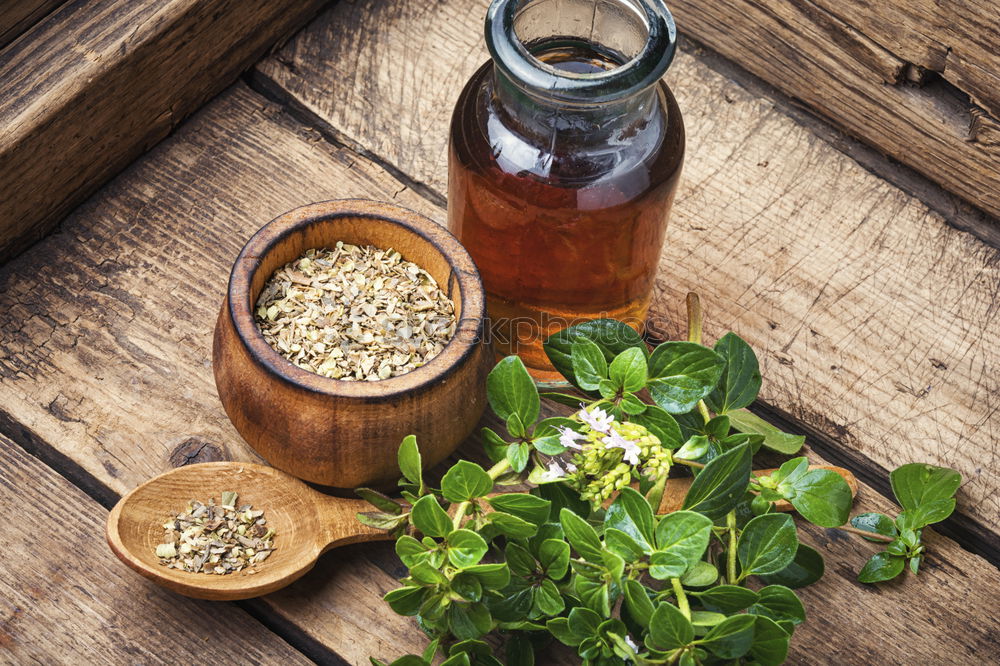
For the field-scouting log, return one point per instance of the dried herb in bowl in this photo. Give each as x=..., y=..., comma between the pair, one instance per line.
x=355, y=313
x=216, y=538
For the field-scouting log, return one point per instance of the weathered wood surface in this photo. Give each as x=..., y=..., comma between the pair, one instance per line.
x=64, y=598
x=107, y=327
x=16, y=16
x=122, y=386
x=89, y=89
x=877, y=322
x=861, y=65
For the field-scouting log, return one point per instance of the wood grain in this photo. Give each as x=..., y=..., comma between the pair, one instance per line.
x=875, y=320
x=106, y=332
x=107, y=328
x=97, y=83
x=16, y=16
x=64, y=598
x=855, y=63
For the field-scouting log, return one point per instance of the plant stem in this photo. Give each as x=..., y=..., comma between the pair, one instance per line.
x=869, y=535
x=703, y=410
x=731, y=553
x=463, y=507
x=689, y=463
x=682, y=600
x=694, y=317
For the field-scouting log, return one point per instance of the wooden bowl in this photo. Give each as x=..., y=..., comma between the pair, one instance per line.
x=345, y=434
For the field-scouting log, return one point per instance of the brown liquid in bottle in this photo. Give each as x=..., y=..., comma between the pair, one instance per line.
x=563, y=211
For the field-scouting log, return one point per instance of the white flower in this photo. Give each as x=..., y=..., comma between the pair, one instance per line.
x=568, y=438
x=570, y=467
x=597, y=419
x=630, y=642
x=614, y=440
x=553, y=472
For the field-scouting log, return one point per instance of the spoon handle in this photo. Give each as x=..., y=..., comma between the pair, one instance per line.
x=340, y=523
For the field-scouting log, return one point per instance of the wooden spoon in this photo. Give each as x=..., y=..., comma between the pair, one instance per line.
x=307, y=523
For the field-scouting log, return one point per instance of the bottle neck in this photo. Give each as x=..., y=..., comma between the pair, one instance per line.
x=544, y=120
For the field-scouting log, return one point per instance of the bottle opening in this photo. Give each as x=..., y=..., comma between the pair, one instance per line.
x=582, y=37
x=581, y=50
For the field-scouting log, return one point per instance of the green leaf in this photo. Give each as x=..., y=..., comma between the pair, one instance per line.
x=492, y=576
x=520, y=561
x=731, y=638
x=511, y=390
x=409, y=660
x=727, y=599
x=632, y=405
x=607, y=389
x=589, y=364
x=684, y=534
x=469, y=587
x=822, y=497
x=770, y=642
x=512, y=526
x=515, y=426
x=465, y=481
x=701, y=574
x=409, y=461
x=553, y=555
x=584, y=622
x=379, y=500
x=562, y=399
x=779, y=603
x=669, y=629
x=694, y=448
x=465, y=548
x=581, y=536
x=494, y=445
x=628, y=370
x=611, y=335
x=740, y=380
x=561, y=497
x=406, y=600
x=424, y=573
x=663, y=566
x=805, y=569
x=632, y=514
x=594, y=594
x=428, y=517
x=546, y=435
x=661, y=424
x=681, y=374
x=559, y=627
x=881, y=566
x=877, y=523
x=917, y=483
x=932, y=512
x=721, y=484
x=547, y=599
x=618, y=542
x=469, y=620
x=517, y=455
x=637, y=602
x=409, y=550
x=526, y=507
x=768, y=544
x=774, y=439
x=460, y=659
x=706, y=618
x=518, y=651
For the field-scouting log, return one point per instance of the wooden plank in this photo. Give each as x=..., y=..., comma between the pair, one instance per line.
x=16, y=16
x=65, y=598
x=812, y=54
x=876, y=321
x=97, y=83
x=107, y=328
x=106, y=332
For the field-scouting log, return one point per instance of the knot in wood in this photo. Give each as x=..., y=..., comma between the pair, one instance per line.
x=196, y=450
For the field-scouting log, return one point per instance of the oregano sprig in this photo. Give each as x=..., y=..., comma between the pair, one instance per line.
x=561, y=538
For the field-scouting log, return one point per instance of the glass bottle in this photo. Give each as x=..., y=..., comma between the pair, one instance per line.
x=565, y=152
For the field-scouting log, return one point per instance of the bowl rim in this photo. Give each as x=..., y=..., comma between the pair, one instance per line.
x=469, y=332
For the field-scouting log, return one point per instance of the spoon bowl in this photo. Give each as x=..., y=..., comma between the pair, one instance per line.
x=306, y=522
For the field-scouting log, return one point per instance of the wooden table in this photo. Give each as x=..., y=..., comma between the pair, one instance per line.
x=875, y=317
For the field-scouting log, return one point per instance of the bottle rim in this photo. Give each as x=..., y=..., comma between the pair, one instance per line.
x=514, y=59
